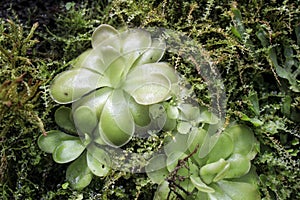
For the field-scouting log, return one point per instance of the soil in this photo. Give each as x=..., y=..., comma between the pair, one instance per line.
x=31, y=11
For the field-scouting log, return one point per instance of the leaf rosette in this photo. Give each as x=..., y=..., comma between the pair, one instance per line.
x=224, y=173
x=114, y=83
x=87, y=159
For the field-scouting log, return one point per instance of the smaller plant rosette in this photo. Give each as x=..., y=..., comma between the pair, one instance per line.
x=66, y=148
x=115, y=82
x=224, y=173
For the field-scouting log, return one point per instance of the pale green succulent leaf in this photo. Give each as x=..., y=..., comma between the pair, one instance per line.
x=95, y=100
x=195, y=139
x=100, y=154
x=222, y=149
x=54, y=138
x=152, y=68
x=153, y=53
x=244, y=140
x=135, y=40
x=134, y=43
x=97, y=138
x=104, y=35
x=251, y=177
x=90, y=59
x=208, y=117
x=116, y=124
x=78, y=62
x=222, y=174
x=98, y=59
x=78, y=174
x=140, y=113
x=188, y=112
x=63, y=118
x=200, y=185
x=98, y=161
x=156, y=169
x=202, y=195
x=218, y=194
x=148, y=89
x=177, y=143
x=85, y=119
x=172, y=112
x=239, y=166
x=71, y=85
x=115, y=72
x=68, y=150
x=184, y=127
x=209, y=171
x=109, y=55
x=170, y=124
x=239, y=190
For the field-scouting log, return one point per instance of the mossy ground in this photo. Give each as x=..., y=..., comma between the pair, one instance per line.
x=254, y=44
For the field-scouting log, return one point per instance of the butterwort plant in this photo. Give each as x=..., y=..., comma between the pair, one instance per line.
x=224, y=173
x=116, y=89
x=115, y=82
